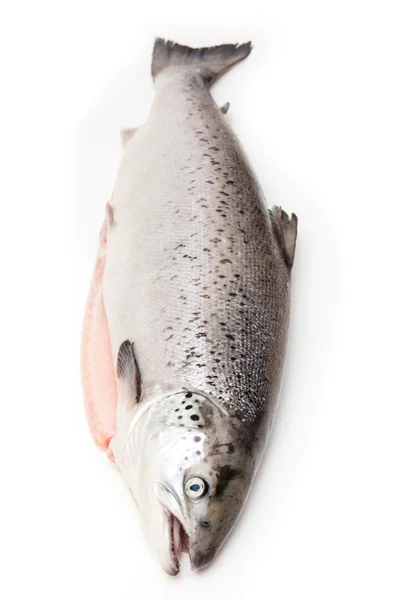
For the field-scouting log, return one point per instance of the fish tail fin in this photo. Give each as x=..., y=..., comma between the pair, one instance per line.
x=208, y=62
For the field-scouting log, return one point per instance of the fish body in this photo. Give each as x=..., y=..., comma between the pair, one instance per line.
x=196, y=297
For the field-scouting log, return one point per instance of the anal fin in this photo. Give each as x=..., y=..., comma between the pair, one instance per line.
x=285, y=231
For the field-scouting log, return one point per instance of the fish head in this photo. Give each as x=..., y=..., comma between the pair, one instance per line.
x=197, y=469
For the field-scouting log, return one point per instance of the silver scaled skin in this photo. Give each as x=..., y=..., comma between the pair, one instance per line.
x=196, y=294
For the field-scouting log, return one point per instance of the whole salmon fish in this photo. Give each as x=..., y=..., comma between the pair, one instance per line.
x=186, y=323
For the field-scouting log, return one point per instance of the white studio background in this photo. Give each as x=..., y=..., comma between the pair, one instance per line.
x=316, y=106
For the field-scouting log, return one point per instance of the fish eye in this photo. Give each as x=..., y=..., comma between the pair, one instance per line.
x=195, y=487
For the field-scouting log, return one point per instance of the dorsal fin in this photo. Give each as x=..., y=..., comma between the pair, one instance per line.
x=126, y=134
x=285, y=231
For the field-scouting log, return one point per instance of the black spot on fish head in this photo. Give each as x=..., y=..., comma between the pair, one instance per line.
x=225, y=475
x=205, y=524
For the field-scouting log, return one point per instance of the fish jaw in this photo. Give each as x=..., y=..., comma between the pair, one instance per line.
x=174, y=541
x=170, y=549
x=164, y=531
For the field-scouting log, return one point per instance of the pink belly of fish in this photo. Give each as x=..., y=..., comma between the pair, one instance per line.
x=97, y=371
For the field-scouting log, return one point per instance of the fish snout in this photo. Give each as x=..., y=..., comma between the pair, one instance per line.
x=205, y=540
x=200, y=559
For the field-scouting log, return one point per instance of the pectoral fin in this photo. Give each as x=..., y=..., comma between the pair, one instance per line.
x=128, y=374
x=285, y=231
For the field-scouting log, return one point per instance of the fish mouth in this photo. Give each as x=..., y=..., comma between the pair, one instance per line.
x=178, y=541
